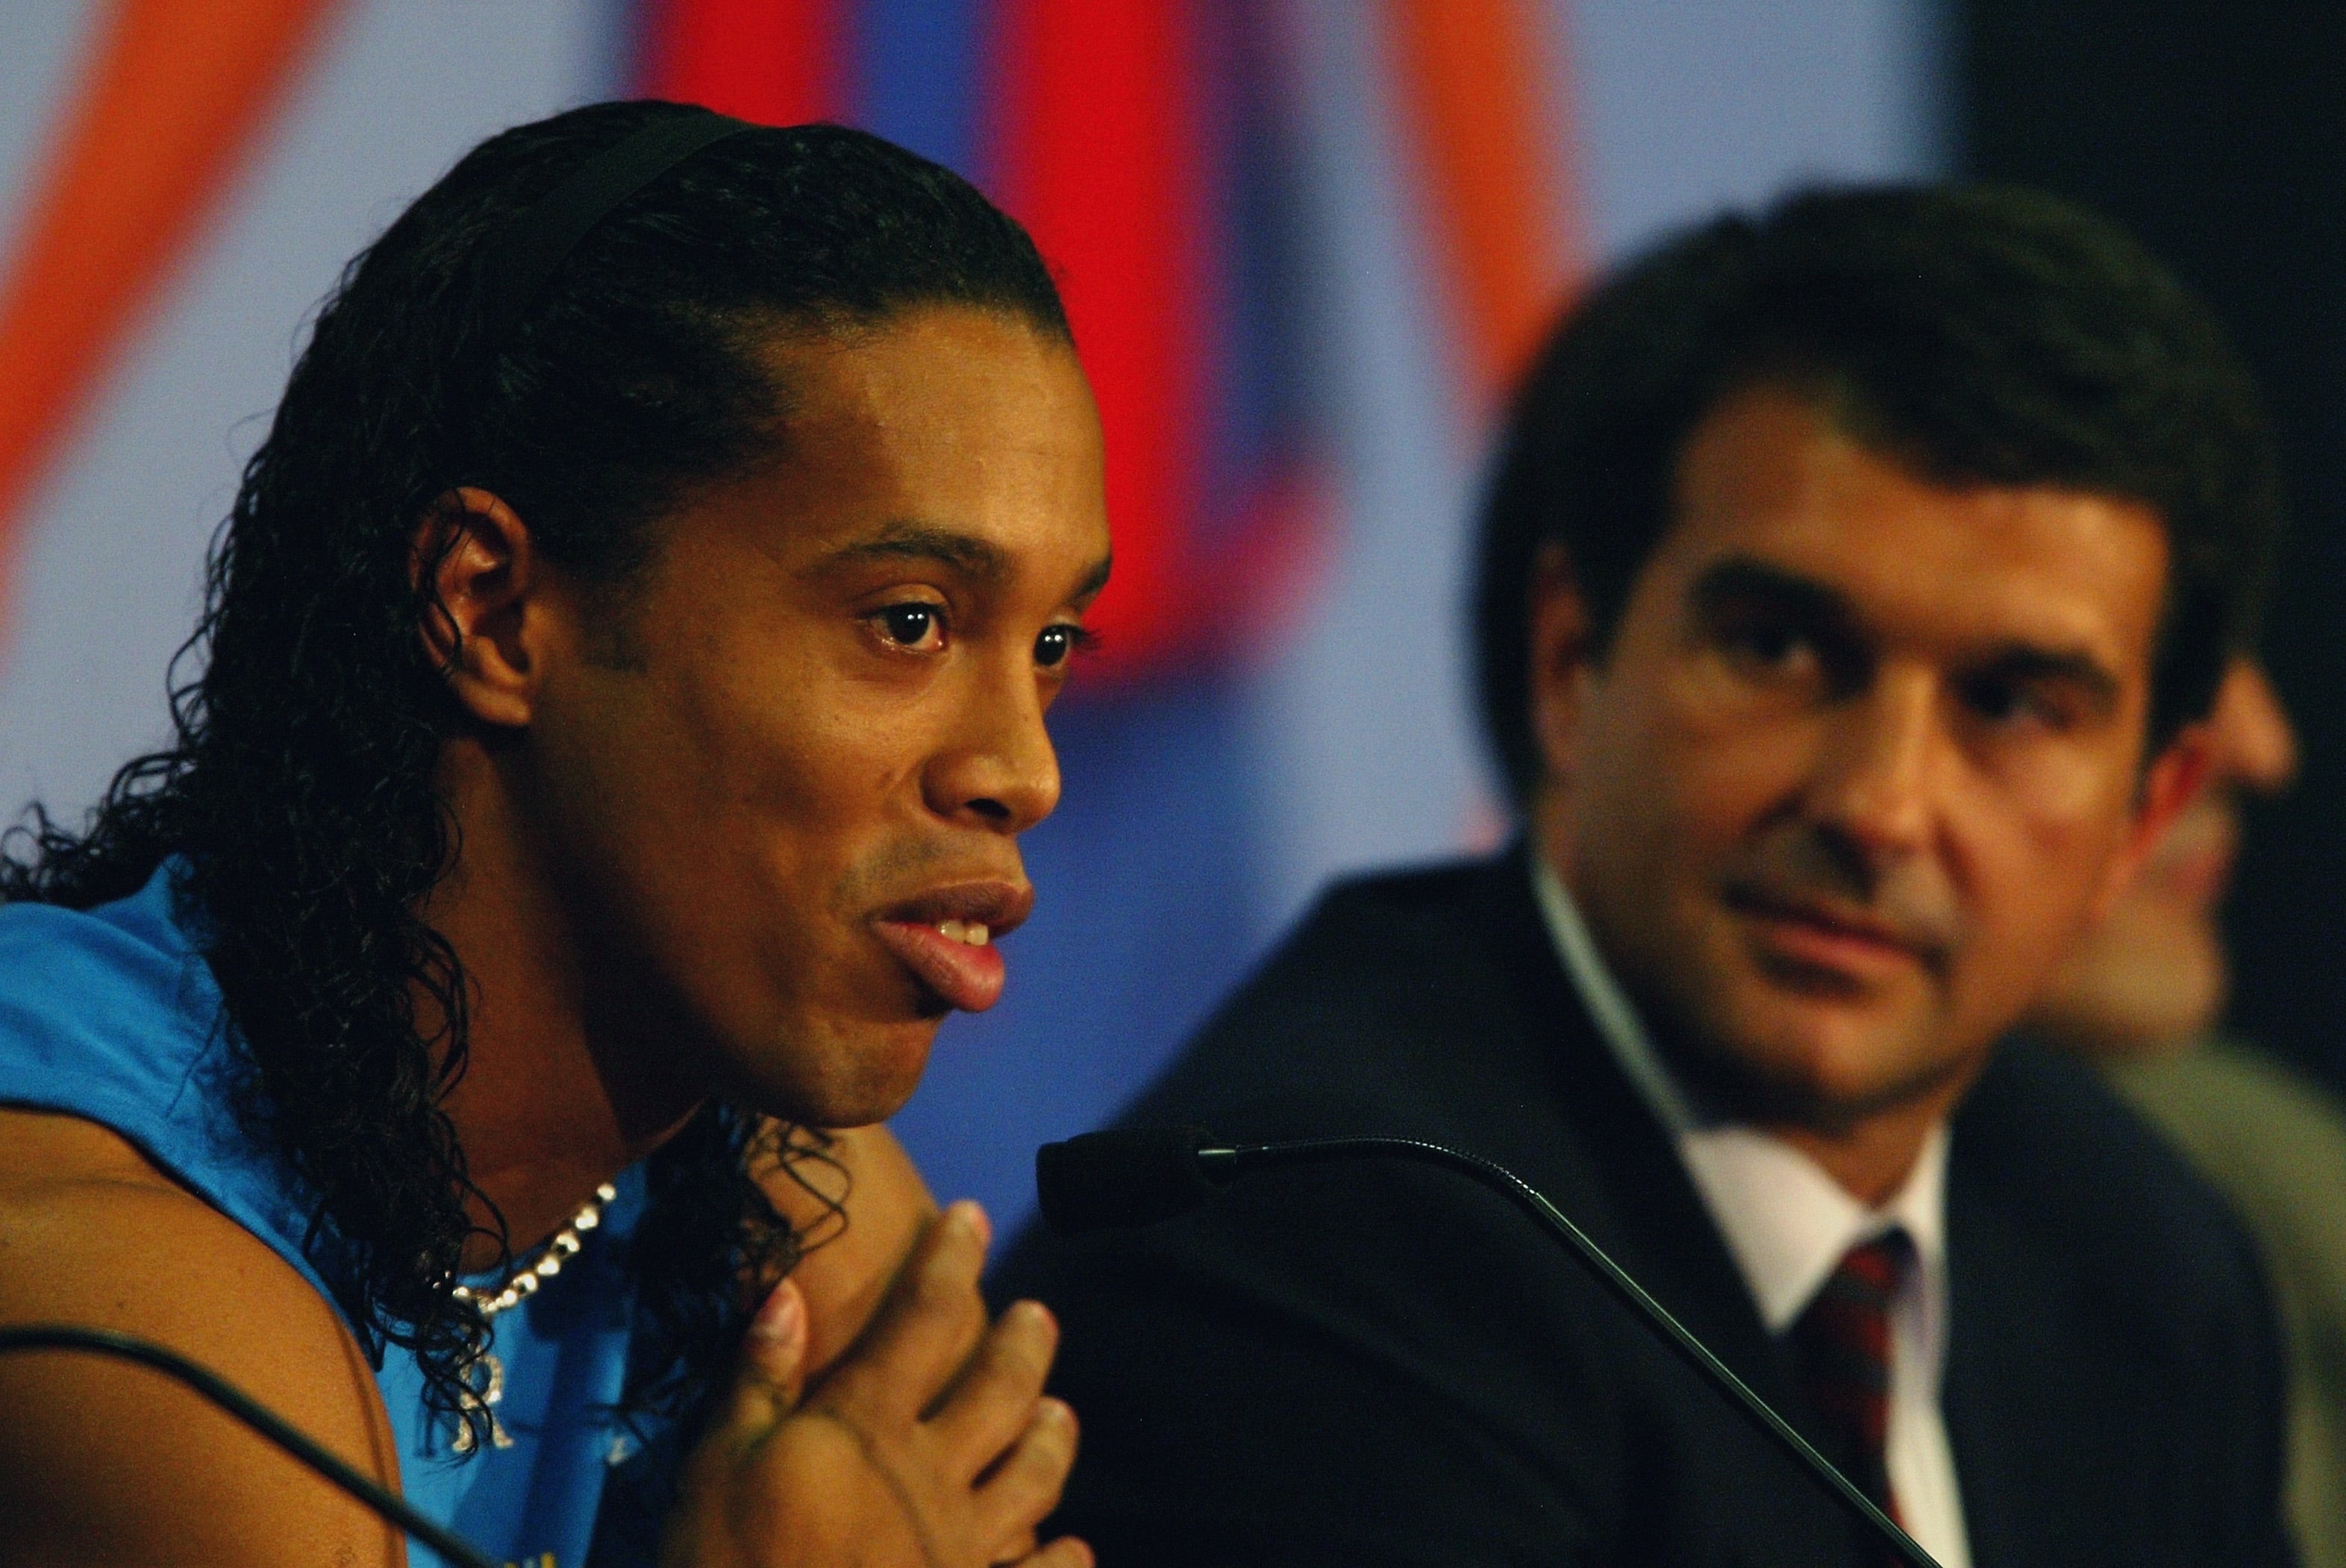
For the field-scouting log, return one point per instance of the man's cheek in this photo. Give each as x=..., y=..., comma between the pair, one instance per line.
x=2017, y=939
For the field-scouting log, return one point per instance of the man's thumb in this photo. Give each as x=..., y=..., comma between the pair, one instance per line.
x=773, y=1363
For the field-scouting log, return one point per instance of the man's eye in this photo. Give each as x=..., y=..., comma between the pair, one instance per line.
x=2012, y=703
x=1763, y=644
x=1058, y=644
x=910, y=625
x=1995, y=700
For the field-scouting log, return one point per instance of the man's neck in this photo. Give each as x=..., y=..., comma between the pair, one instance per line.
x=544, y=1111
x=1870, y=1158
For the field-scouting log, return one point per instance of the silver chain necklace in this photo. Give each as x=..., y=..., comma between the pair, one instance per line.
x=519, y=1287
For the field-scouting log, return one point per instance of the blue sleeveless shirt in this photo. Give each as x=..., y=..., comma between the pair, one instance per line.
x=111, y=1014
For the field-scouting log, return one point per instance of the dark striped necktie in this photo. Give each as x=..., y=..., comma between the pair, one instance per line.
x=1841, y=1355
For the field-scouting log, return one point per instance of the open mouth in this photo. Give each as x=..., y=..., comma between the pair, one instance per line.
x=946, y=937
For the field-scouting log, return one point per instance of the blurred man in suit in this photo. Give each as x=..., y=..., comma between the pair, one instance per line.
x=1852, y=582
x=2140, y=996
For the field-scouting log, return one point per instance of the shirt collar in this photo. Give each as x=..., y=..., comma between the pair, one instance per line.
x=1785, y=1221
x=1788, y=1224
x=1616, y=1016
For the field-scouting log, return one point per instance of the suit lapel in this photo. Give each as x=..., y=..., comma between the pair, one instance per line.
x=2052, y=1437
x=1641, y=1206
x=1988, y=1328
x=1715, y=1489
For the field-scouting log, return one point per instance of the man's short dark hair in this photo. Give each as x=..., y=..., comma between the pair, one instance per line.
x=1974, y=334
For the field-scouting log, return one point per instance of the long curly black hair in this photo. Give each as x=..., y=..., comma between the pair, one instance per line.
x=298, y=797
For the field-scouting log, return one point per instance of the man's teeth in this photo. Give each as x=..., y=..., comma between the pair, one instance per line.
x=968, y=931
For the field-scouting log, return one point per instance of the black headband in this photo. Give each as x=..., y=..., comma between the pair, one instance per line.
x=536, y=242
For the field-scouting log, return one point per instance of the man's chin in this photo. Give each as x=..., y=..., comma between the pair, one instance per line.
x=1823, y=1063
x=865, y=1074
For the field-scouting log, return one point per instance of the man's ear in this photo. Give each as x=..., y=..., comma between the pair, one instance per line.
x=2171, y=783
x=1560, y=653
x=484, y=571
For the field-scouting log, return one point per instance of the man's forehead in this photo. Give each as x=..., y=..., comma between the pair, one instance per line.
x=961, y=438
x=1769, y=480
x=924, y=363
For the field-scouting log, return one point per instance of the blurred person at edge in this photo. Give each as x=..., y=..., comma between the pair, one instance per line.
x=624, y=680
x=2141, y=995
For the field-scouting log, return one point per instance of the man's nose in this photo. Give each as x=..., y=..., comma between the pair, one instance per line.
x=2255, y=746
x=1874, y=776
x=999, y=771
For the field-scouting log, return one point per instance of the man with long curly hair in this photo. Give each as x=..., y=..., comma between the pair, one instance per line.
x=622, y=681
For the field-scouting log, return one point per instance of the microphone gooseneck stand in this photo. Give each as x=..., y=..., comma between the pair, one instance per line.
x=236, y=1402
x=1168, y=1171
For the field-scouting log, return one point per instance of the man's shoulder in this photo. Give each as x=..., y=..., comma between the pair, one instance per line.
x=98, y=1461
x=1379, y=922
x=106, y=1012
x=73, y=979
x=110, y=1016
x=2110, y=1323
x=1396, y=996
x=2044, y=1149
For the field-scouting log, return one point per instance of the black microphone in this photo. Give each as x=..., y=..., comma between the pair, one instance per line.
x=1143, y=1175
x=228, y=1396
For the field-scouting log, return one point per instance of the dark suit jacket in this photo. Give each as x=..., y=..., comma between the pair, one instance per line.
x=1384, y=1363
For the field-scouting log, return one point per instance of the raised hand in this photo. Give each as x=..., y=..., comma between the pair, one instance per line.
x=930, y=1443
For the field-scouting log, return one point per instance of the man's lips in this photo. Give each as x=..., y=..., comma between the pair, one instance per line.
x=946, y=937
x=1828, y=936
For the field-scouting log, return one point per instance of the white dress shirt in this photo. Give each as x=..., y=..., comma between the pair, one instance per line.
x=1788, y=1223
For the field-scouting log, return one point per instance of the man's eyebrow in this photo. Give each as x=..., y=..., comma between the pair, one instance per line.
x=978, y=559
x=1740, y=579
x=1093, y=580
x=965, y=553
x=2026, y=662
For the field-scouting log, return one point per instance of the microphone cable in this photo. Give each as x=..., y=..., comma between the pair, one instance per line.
x=1140, y=1175
x=226, y=1396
